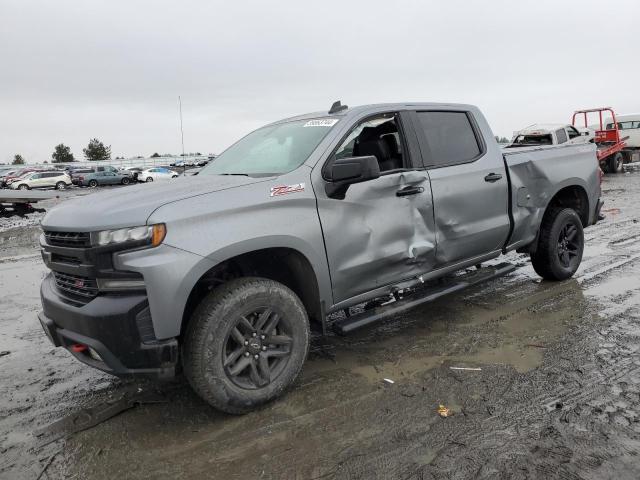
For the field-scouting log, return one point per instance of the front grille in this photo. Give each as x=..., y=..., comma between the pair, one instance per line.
x=68, y=239
x=77, y=285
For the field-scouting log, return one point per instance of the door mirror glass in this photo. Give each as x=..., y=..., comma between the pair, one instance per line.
x=349, y=170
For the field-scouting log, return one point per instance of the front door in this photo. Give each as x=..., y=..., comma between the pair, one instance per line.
x=382, y=232
x=468, y=182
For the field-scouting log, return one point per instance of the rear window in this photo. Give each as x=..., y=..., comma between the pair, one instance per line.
x=533, y=140
x=450, y=137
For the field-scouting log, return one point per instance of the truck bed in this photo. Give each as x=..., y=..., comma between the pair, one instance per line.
x=534, y=172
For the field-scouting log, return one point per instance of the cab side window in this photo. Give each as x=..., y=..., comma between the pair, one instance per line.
x=379, y=137
x=561, y=135
x=449, y=136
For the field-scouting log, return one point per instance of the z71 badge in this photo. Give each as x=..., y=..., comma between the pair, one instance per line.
x=285, y=189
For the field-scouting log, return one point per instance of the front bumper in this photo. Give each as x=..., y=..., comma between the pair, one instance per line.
x=116, y=327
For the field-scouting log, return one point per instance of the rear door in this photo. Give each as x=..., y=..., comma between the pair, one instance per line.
x=49, y=179
x=382, y=232
x=468, y=183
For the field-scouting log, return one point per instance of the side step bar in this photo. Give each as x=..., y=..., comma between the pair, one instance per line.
x=423, y=295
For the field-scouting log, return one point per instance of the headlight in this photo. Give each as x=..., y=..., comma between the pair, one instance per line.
x=152, y=234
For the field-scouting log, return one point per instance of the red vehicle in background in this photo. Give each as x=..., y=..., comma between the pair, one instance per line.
x=608, y=141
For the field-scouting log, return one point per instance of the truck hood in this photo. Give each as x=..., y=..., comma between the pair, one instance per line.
x=131, y=206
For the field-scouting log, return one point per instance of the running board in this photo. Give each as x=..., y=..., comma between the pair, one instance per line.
x=424, y=295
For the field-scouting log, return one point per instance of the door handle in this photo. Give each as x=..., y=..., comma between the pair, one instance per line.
x=492, y=177
x=409, y=191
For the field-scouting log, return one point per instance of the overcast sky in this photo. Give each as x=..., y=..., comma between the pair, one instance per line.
x=74, y=70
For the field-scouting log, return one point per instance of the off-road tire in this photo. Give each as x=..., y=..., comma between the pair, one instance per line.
x=616, y=163
x=93, y=183
x=546, y=259
x=207, y=335
x=125, y=181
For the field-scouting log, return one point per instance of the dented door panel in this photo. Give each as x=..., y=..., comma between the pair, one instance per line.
x=375, y=238
x=471, y=214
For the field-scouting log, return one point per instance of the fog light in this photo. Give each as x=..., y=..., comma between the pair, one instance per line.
x=117, y=284
x=95, y=355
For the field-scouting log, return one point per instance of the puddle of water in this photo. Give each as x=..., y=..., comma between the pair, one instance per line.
x=614, y=286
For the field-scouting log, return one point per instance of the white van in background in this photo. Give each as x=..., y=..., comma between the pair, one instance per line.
x=629, y=126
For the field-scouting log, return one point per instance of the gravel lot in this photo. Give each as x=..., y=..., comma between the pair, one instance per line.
x=557, y=394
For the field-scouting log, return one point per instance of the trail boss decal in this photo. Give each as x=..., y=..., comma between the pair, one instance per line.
x=285, y=189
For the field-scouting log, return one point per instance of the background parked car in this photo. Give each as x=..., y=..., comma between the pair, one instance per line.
x=76, y=173
x=157, y=173
x=11, y=177
x=50, y=179
x=93, y=179
x=5, y=174
x=133, y=172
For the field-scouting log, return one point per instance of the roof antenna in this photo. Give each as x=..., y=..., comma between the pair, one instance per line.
x=337, y=107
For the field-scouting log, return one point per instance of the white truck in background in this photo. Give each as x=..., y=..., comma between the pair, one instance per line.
x=550, y=134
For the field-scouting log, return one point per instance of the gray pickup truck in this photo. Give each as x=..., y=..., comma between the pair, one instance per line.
x=334, y=219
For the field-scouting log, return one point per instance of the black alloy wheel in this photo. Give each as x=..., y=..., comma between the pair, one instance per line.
x=257, y=348
x=568, y=245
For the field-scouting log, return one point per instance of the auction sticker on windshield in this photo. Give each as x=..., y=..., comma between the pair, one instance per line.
x=321, y=122
x=285, y=189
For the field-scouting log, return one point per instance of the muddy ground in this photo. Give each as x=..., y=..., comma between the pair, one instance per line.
x=557, y=394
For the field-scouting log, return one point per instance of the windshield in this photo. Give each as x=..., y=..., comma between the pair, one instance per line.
x=271, y=150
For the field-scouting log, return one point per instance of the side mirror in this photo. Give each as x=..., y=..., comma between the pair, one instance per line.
x=343, y=172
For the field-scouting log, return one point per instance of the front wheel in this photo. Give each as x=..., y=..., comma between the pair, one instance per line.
x=560, y=245
x=616, y=163
x=149, y=179
x=23, y=187
x=125, y=181
x=61, y=186
x=245, y=344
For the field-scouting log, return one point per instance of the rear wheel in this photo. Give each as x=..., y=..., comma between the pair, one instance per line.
x=245, y=344
x=93, y=183
x=616, y=163
x=149, y=179
x=560, y=245
x=61, y=186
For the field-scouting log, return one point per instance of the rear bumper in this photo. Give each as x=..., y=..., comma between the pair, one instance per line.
x=115, y=327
